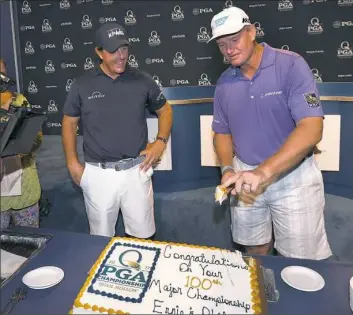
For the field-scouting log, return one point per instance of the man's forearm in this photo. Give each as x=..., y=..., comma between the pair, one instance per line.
x=224, y=149
x=69, y=130
x=165, y=121
x=298, y=145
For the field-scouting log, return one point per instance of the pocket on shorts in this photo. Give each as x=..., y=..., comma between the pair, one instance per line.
x=83, y=177
x=147, y=174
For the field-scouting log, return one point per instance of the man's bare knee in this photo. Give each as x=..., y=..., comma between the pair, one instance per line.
x=259, y=249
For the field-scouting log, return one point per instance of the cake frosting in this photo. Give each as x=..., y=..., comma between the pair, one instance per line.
x=143, y=277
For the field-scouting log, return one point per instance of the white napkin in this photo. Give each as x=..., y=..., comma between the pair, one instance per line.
x=10, y=263
x=11, y=178
x=351, y=293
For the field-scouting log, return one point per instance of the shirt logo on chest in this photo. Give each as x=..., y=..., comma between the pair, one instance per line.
x=95, y=95
x=271, y=93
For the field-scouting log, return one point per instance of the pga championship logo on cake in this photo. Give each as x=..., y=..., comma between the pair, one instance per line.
x=125, y=272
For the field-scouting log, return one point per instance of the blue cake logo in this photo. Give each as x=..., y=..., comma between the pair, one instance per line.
x=126, y=272
x=130, y=272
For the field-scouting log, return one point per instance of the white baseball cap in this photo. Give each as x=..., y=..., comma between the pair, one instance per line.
x=229, y=21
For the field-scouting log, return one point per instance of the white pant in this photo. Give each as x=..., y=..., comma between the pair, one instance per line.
x=106, y=191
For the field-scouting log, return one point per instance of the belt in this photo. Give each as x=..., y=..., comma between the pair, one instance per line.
x=119, y=165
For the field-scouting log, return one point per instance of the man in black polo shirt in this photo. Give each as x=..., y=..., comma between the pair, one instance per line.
x=111, y=100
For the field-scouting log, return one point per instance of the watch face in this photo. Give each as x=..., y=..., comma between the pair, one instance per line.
x=162, y=139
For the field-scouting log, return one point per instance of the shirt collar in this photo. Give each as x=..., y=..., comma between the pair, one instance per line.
x=268, y=56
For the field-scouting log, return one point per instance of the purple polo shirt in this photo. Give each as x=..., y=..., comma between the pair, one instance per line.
x=261, y=113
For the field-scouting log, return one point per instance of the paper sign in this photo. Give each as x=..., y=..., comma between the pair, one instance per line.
x=165, y=163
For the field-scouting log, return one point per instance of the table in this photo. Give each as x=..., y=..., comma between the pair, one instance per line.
x=75, y=253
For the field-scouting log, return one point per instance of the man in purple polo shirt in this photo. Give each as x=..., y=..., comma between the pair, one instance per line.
x=267, y=121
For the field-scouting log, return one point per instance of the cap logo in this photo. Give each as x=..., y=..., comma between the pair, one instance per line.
x=221, y=21
x=246, y=20
x=115, y=32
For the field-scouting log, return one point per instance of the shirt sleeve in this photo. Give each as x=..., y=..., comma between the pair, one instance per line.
x=72, y=106
x=155, y=97
x=220, y=121
x=303, y=95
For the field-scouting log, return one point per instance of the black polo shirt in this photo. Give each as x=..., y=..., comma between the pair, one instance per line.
x=113, y=112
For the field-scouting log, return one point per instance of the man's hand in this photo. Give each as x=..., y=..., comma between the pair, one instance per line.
x=249, y=181
x=226, y=175
x=152, y=152
x=76, y=171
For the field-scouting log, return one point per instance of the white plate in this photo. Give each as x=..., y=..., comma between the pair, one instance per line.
x=302, y=278
x=43, y=277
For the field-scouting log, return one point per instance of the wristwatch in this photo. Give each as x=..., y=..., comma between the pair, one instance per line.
x=162, y=139
x=226, y=168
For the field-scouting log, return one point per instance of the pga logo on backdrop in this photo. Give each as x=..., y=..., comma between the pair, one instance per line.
x=53, y=124
x=179, y=60
x=132, y=61
x=154, y=39
x=175, y=82
x=315, y=27
x=52, y=107
x=197, y=11
x=29, y=49
x=26, y=8
x=157, y=80
x=47, y=46
x=285, y=5
x=130, y=18
x=177, y=14
x=64, y=4
x=204, y=80
x=67, y=45
x=203, y=36
x=86, y=22
x=154, y=60
x=32, y=87
x=345, y=50
x=338, y=24
x=46, y=26
x=49, y=67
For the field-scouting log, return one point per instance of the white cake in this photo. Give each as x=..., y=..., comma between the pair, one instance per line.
x=144, y=277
